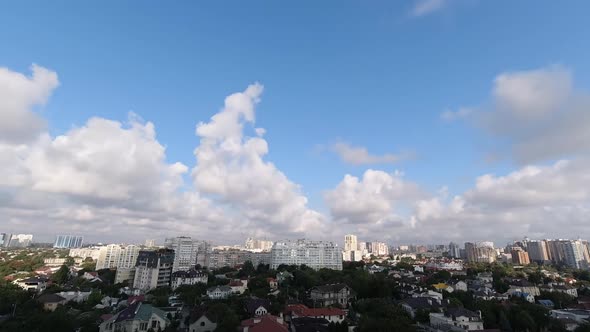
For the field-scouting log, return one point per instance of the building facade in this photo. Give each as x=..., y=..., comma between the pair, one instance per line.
x=68, y=241
x=314, y=254
x=537, y=250
x=114, y=256
x=480, y=252
x=153, y=269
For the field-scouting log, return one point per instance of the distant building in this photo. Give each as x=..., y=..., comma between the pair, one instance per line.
x=333, y=294
x=4, y=239
x=314, y=254
x=93, y=252
x=454, y=250
x=457, y=317
x=125, y=274
x=20, y=240
x=377, y=248
x=136, y=317
x=150, y=243
x=573, y=253
x=519, y=256
x=153, y=269
x=50, y=302
x=352, y=249
x=255, y=244
x=117, y=256
x=480, y=252
x=190, y=277
x=37, y=284
x=219, y=292
x=537, y=250
x=68, y=241
x=186, y=251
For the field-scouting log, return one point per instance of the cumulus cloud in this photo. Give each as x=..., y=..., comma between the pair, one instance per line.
x=231, y=169
x=426, y=7
x=539, y=114
x=357, y=155
x=372, y=199
x=19, y=94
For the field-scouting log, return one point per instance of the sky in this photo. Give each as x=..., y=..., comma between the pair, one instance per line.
x=418, y=121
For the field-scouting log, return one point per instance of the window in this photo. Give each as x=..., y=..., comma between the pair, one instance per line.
x=202, y=323
x=155, y=323
x=143, y=326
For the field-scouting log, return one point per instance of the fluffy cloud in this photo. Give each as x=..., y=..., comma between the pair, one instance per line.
x=461, y=113
x=18, y=95
x=538, y=201
x=106, y=179
x=357, y=155
x=539, y=114
x=231, y=169
x=426, y=7
x=370, y=200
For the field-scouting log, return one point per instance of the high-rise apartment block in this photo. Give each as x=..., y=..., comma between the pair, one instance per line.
x=480, y=252
x=117, y=256
x=314, y=254
x=377, y=248
x=153, y=269
x=537, y=250
x=4, y=239
x=186, y=252
x=519, y=256
x=68, y=241
x=91, y=252
x=19, y=240
x=258, y=245
x=454, y=250
x=352, y=249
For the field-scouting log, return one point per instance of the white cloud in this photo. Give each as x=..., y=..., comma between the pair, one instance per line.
x=357, y=155
x=370, y=200
x=537, y=114
x=19, y=94
x=426, y=7
x=231, y=168
x=449, y=115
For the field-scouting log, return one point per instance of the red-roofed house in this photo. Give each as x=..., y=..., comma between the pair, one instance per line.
x=272, y=282
x=267, y=323
x=335, y=315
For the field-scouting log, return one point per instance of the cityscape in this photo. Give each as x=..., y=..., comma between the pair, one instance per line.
x=304, y=166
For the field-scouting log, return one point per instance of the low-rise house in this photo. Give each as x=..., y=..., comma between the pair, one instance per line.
x=415, y=304
x=580, y=316
x=485, y=277
x=37, y=284
x=430, y=294
x=375, y=269
x=273, y=283
x=238, y=286
x=524, y=286
x=335, y=315
x=284, y=276
x=266, y=323
x=523, y=295
x=489, y=294
x=441, y=286
x=75, y=296
x=136, y=317
x=51, y=301
x=91, y=276
x=306, y=324
x=219, y=292
x=190, y=277
x=459, y=317
x=328, y=295
x=459, y=285
x=201, y=321
x=257, y=307
x=561, y=288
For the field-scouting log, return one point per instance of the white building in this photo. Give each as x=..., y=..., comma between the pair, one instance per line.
x=153, y=269
x=459, y=317
x=378, y=248
x=20, y=240
x=352, y=252
x=136, y=317
x=91, y=252
x=314, y=254
x=219, y=292
x=190, y=277
x=255, y=244
x=185, y=252
x=117, y=256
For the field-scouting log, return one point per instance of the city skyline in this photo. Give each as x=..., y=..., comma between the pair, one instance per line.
x=268, y=128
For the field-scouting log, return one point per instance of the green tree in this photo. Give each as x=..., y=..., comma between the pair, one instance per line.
x=61, y=276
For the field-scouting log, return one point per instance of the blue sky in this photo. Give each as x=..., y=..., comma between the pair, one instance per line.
x=368, y=73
